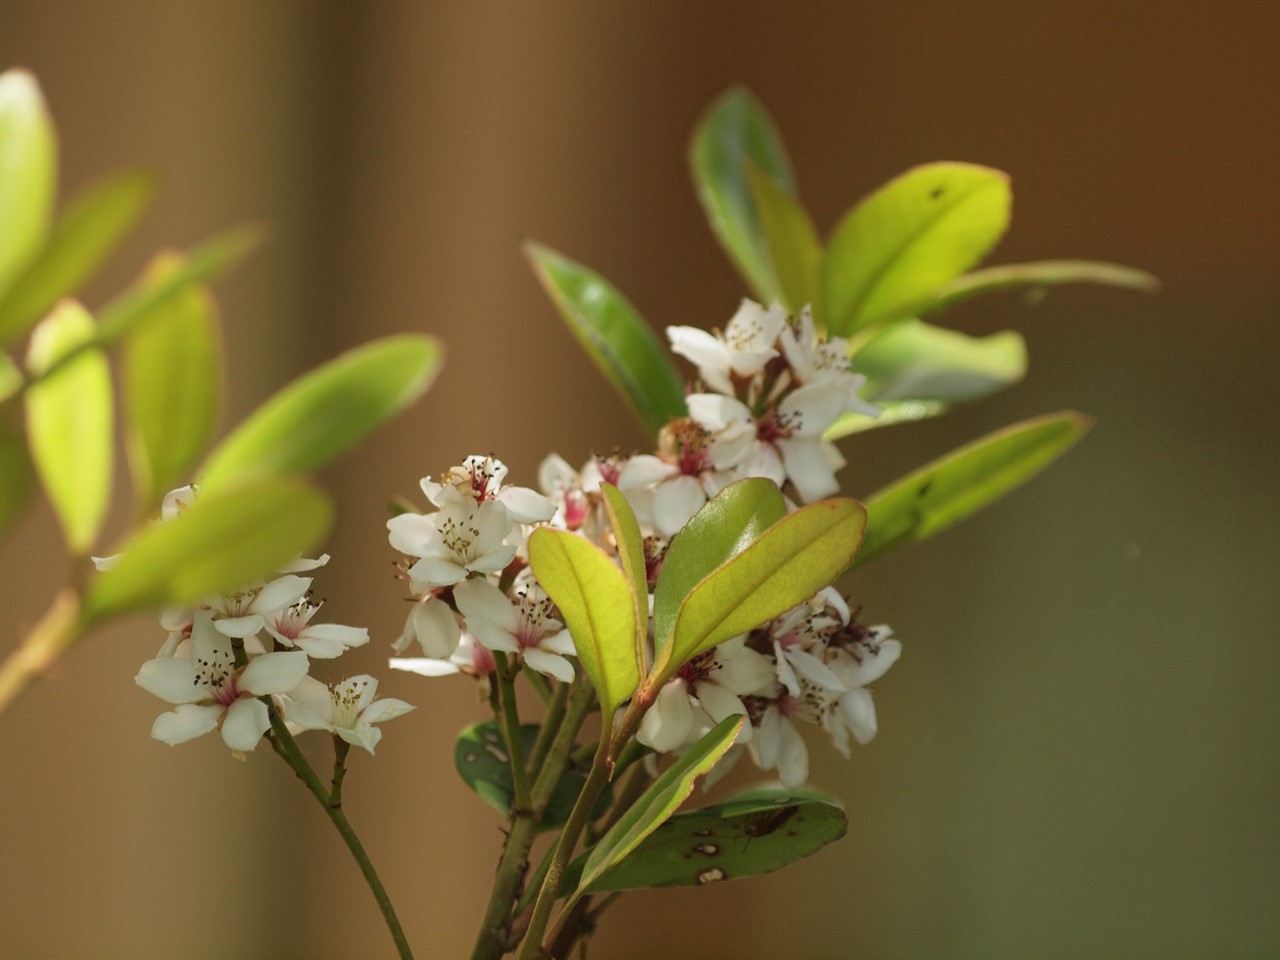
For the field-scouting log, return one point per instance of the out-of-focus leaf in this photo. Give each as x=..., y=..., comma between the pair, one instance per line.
x=912, y=360
x=70, y=423
x=173, y=384
x=659, y=801
x=790, y=562
x=917, y=232
x=17, y=482
x=326, y=411
x=481, y=759
x=10, y=377
x=614, y=336
x=221, y=542
x=28, y=172
x=965, y=480
x=729, y=523
x=752, y=834
x=736, y=130
x=793, y=250
x=892, y=412
x=1039, y=275
x=83, y=237
x=596, y=601
x=630, y=542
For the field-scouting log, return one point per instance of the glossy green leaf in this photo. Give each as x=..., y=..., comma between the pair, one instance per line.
x=630, y=543
x=734, y=130
x=17, y=481
x=11, y=378
x=1039, y=275
x=912, y=360
x=70, y=423
x=597, y=605
x=729, y=523
x=792, y=248
x=659, y=801
x=172, y=384
x=223, y=541
x=326, y=411
x=891, y=413
x=83, y=237
x=790, y=562
x=964, y=481
x=751, y=834
x=28, y=172
x=614, y=336
x=920, y=230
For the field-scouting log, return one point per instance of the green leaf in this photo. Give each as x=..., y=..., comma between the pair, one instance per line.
x=173, y=385
x=17, y=482
x=1038, y=275
x=11, y=378
x=793, y=250
x=223, y=541
x=630, y=542
x=28, y=172
x=659, y=801
x=966, y=480
x=734, y=130
x=614, y=336
x=912, y=360
x=729, y=523
x=917, y=232
x=597, y=605
x=84, y=236
x=70, y=423
x=752, y=834
x=481, y=759
x=326, y=411
x=892, y=412
x=790, y=562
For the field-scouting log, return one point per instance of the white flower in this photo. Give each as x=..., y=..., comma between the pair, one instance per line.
x=522, y=626
x=210, y=690
x=817, y=360
x=746, y=345
x=479, y=480
x=858, y=665
x=471, y=658
x=666, y=491
x=799, y=641
x=433, y=626
x=292, y=626
x=244, y=613
x=347, y=709
x=778, y=744
x=460, y=539
x=576, y=493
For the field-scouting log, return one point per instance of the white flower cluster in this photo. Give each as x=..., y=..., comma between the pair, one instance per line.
x=222, y=657
x=778, y=387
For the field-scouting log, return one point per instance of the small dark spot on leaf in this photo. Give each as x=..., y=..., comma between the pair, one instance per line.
x=936, y=192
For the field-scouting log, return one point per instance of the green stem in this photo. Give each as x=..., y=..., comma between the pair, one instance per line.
x=508, y=715
x=60, y=627
x=284, y=744
x=494, y=936
x=539, y=684
x=547, y=732
x=340, y=750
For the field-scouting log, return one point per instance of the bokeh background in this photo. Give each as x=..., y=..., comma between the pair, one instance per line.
x=1077, y=754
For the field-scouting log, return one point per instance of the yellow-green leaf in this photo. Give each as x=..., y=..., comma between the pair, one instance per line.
x=912, y=360
x=791, y=244
x=1039, y=275
x=630, y=542
x=891, y=412
x=28, y=172
x=17, y=482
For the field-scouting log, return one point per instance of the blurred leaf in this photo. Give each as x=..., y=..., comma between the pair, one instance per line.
x=892, y=412
x=659, y=801
x=920, y=230
x=70, y=423
x=17, y=482
x=222, y=541
x=28, y=172
x=326, y=411
x=751, y=834
x=1037, y=276
x=173, y=384
x=729, y=523
x=596, y=604
x=912, y=360
x=630, y=543
x=790, y=562
x=736, y=130
x=11, y=378
x=614, y=335
x=481, y=759
x=83, y=237
x=793, y=250
x=966, y=480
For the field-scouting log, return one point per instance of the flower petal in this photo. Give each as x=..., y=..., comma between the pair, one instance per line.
x=668, y=723
x=172, y=679
x=675, y=502
x=274, y=673
x=424, y=666
x=551, y=664
x=246, y=721
x=185, y=723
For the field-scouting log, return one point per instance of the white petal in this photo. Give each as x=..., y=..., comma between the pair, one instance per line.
x=743, y=671
x=331, y=635
x=872, y=668
x=280, y=593
x=810, y=410
x=793, y=758
x=768, y=740
x=171, y=679
x=859, y=711
x=388, y=709
x=555, y=475
x=526, y=506
x=364, y=735
x=245, y=723
x=558, y=642
x=185, y=723
x=436, y=572
x=410, y=533
x=103, y=564
x=435, y=627
x=644, y=470
x=310, y=705
x=714, y=411
x=763, y=461
x=814, y=670
x=480, y=600
x=668, y=722
x=720, y=703
x=274, y=673
x=675, y=502
x=303, y=564
x=808, y=468
x=240, y=627
x=552, y=664
x=424, y=666
x=495, y=560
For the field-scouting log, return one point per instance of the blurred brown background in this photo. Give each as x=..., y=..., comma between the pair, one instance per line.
x=1078, y=750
